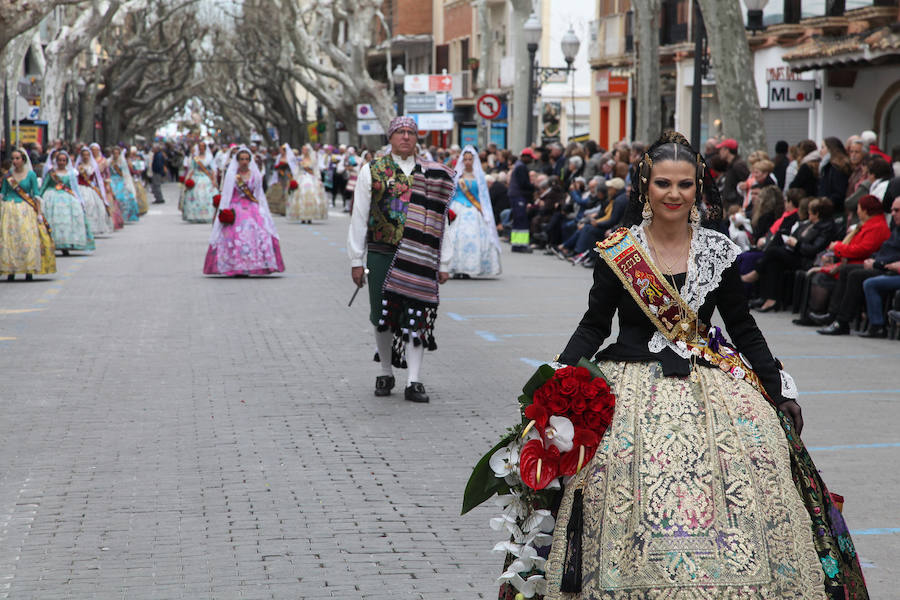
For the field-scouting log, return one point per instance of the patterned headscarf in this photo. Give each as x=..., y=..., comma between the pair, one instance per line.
x=399, y=123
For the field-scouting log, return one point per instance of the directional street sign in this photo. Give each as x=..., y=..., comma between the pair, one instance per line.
x=369, y=128
x=488, y=106
x=431, y=102
x=30, y=87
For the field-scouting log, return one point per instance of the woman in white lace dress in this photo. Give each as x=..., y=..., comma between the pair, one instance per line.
x=476, y=246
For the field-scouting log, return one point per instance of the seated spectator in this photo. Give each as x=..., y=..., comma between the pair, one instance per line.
x=550, y=200
x=498, y=192
x=886, y=262
x=770, y=206
x=760, y=177
x=834, y=172
x=860, y=244
x=793, y=251
x=739, y=228
x=881, y=173
x=599, y=225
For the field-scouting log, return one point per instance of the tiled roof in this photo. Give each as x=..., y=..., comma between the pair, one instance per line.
x=881, y=45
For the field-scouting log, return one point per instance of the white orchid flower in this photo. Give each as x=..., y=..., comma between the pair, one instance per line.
x=560, y=432
x=526, y=560
x=508, y=523
x=507, y=547
x=512, y=505
x=540, y=521
x=536, y=584
x=505, y=461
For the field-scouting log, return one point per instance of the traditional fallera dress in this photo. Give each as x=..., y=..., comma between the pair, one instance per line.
x=115, y=213
x=65, y=212
x=197, y=204
x=304, y=203
x=124, y=196
x=20, y=239
x=700, y=488
x=476, y=247
x=249, y=245
x=95, y=207
x=277, y=193
x=140, y=192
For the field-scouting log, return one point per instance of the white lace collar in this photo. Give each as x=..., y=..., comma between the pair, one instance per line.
x=711, y=253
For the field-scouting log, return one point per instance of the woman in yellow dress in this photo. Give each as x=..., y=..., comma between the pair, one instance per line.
x=20, y=217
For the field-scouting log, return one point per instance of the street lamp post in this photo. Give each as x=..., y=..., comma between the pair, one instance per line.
x=755, y=14
x=537, y=76
x=701, y=69
x=398, y=75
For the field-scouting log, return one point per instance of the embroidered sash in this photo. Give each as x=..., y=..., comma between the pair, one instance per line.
x=204, y=170
x=662, y=304
x=60, y=184
x=245, y=189
x=469, y=195
x=117, y=170
x=28, y=200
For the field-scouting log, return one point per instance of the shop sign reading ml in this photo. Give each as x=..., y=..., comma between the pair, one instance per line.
x=796, y=93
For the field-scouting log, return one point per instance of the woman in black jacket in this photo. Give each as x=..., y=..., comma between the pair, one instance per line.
x=834, y=174
x=807, y=178
x=798, y=251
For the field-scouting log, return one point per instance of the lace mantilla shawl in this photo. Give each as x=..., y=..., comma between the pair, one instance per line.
x=711, y=253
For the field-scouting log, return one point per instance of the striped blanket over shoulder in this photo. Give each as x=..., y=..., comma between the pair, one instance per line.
x=410, y=293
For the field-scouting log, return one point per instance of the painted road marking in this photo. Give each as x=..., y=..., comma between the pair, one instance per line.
x=833, y=392
x=854, y=446
x=876, y=531
x=18, y=311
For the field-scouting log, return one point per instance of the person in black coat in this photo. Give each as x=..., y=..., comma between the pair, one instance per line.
x=834, y=174
x=781, y=161
x=807, y=178
x=521, y=192
x=793, y=252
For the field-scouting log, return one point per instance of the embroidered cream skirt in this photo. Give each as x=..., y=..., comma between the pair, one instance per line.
x=689, y=497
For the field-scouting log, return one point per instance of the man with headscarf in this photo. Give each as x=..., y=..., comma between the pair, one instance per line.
x=396, y=230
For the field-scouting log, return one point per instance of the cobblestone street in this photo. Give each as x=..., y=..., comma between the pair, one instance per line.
x=171, y=435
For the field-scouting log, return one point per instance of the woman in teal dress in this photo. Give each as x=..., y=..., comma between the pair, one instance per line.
x=123, y=186
x=20, y=241
x=197, y=206
x=63, y=207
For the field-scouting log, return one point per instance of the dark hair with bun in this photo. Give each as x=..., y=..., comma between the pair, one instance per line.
x=672, y=145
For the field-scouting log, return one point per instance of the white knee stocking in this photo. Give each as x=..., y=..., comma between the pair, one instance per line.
x=414, y=356
x=383, y=341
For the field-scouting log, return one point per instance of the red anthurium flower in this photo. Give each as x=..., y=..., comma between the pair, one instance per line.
x=293, y=184
x=569, y=463
x=451, y=216
x=189, y=183
x=539, y=414
x=538, y=466
x=216, y=199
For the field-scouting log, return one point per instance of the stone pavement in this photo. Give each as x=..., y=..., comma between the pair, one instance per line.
x=170, y=435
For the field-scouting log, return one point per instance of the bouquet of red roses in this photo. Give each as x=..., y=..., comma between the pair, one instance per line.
x=565, y=412
x=216, y=199
x=293, y=185
x=226, y=216
x=189, y=184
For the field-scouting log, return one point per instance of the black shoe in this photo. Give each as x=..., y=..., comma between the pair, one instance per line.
x=756, y=302
x=522, y=249
x=11, y=277
x=804, y=321
x=821, y=318
x=416, y=392
x=773, y=308
x=836, y=328
x=894, y=316
x=29, y=277
x=383, y=385
x=65, y=252
x=874, y=331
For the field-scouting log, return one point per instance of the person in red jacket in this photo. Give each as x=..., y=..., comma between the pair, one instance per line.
x=871, y=233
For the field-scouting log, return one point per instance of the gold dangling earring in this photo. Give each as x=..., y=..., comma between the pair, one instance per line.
x=646, y=212
x=695, y=215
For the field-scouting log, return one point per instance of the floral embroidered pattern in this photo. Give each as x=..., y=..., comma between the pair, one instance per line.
x=391, y=190
x=690, y=495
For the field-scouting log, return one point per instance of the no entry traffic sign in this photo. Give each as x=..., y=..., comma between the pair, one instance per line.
x=488, y=106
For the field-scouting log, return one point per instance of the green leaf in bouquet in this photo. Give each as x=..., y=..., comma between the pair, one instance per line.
x=482, y=482
x=540, y=377
x=592, y=367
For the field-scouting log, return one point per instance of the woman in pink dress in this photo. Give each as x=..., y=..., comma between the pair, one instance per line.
x=244, y=241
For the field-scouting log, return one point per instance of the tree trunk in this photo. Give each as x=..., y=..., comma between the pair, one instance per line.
x=518, y=120
x=484, y=27
x=735, y=86
x=649, y=110
x=86, y=125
